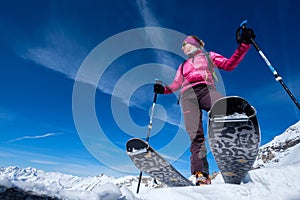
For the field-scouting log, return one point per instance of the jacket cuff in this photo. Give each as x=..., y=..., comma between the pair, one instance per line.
x=245, y=46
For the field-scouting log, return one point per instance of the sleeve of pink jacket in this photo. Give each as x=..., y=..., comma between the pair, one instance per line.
x=231, y=63
x=176, y=85
x=220, y=61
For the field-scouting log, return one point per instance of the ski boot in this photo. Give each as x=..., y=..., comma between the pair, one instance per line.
x=202, y=179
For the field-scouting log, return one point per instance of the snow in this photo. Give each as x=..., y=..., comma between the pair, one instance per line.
x=263, y=184
x=276, y=177
x=233, y=117
x=293, y=158
x=283, y=150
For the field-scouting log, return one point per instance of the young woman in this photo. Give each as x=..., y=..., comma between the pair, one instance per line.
x=195, y=78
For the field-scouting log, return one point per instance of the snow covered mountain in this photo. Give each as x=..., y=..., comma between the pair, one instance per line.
x=282, y=150
x=276, y=176
x=64, y=186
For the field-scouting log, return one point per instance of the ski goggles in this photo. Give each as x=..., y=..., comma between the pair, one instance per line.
x=184, y=44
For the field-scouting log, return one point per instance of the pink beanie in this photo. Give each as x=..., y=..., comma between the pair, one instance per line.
x=193, y=41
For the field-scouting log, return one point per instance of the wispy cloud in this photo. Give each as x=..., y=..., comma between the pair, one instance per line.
x=148, y=17
x=59, y=52
x=45, y=162
x=34, y=137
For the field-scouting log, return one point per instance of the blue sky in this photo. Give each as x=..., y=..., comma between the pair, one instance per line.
x=57, y=113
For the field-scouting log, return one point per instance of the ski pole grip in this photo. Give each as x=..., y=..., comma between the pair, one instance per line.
x=155, y=95
x=238, y=32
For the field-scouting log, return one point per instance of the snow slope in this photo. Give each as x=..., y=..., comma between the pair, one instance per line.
x=276, y=177
x=283, y=150
x=268, y=183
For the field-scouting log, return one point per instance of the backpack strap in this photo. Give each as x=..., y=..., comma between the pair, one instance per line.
x=179, y=94
x=211, y=66
x=182, y=67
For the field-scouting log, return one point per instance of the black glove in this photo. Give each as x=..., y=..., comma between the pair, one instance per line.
x=245, y=37
x=158, y=88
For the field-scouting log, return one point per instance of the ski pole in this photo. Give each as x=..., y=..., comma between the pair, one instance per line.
x=152, y=112
x=149, y=130
x=276, y=75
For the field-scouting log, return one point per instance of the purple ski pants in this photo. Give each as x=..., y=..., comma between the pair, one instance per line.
x=193, y=101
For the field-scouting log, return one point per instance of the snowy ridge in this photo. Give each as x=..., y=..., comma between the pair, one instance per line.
x=64, y=186
x=276, y=177
x=282, y=150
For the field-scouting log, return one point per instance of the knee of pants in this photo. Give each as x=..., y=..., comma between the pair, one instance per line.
x=197, y=137
x=198, y=146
